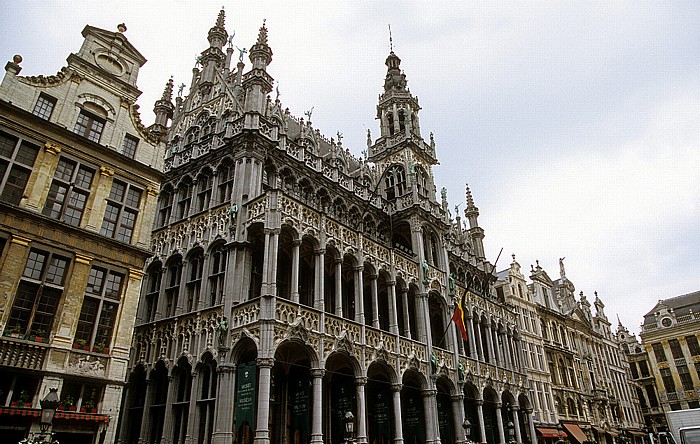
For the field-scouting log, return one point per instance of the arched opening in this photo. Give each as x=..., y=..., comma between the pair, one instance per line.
x=401, y=238
x=165, y=206
x=156, y=412
x=206, y=398
x=431, y=247
x=339, y=396
x=422, y=181
x=395, y=182
x=491, y=399
x=244, y=356
x=412, y=308
x=383, y=300
x=348, y=286
x=137, y=399
x=307, y=270
x=285, y=252
x=524, y=417
x=225, y=181
x=402, y=307
x=218, y=256
x=412, y=412
x=182, y=378
x=172, y=286
x=152, y=286
x=256, y=238
x=471, y=413
x=369, y=274
x=380, y=411
x=436, y=309
x=193, y=285
x=291, y=396
x=507, y=412
x=484, y=330
x=445, y=411
x=205, y=182
x=331, y=262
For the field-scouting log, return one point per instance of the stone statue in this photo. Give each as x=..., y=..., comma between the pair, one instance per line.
x=426, y=270
x=562, y=272
x=232, y=212
x=240, y=53
x=222, y=330
x=443, y=193
x=451, y=281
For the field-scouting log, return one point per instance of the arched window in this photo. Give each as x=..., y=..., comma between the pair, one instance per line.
x=165, y=207
x=182, y=378
x=225, y=176
x=204, y=185
x=206, y=400
x=184, y=197
x=421, y=181
x=172, y=289
x=217, y=274
x=395, y=182
x=390, y=122
x=153, y=289
x=562, y=373
x=194, y=280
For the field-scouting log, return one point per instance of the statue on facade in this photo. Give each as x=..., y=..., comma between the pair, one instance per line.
x=240, y=53
x=451, y=281
x=426, y=270
x=222, y=330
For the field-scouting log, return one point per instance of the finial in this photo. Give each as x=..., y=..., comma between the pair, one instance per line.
x=220, y=18
x=262, y=34
x=17, y=59
x=562, y=272
x=470, y=199
x=340, y=137
x=121, y=28
x=513, y=256
x=168, y=91
x=391, y=41
x=277, y=91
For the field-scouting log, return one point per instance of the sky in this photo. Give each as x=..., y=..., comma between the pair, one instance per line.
x=575, y=124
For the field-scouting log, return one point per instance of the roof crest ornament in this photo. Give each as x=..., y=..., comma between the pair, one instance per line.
x=391, y=41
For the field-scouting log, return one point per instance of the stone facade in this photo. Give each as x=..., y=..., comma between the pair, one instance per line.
x=670, y=340
x=78, y=194
x=293, y=283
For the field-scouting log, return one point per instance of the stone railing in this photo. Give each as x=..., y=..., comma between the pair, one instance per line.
x=245, y=314
x=290, y=313
x=22, y=354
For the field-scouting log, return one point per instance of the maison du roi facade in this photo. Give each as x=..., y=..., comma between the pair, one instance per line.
x=79, y=182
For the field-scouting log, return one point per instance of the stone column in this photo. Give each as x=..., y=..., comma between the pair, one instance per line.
x=262, y=428
x=319, y=284
x=479, y=344
x=317, y=418
x=458, y=417
x=375, y=300
x=295, y=271
x=516, y=423
x=421, y=321
x=182, y=288
x=272, y=253
x=167, y=436
x=338, y=287
x=508, y=349
x=407, y=320
x=360, y=383
x=225, y=399
x=432, y=432
x=396, y=394
x=393, y=319
x=472, y=339
x=359, y=296
x=496, y=348
x=192, y=420
x=266, y=263
x=146, y=417
x=480, y=414
x=489, y=342
x=531, y=423
x=499, y=422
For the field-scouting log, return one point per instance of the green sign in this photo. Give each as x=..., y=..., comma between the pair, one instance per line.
x=245, y=395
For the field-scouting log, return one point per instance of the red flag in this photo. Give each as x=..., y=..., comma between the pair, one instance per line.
x=458, y=317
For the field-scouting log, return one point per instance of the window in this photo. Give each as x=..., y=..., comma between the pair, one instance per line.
x=69, y=192
x=395, y=182
x=693, y=345
x=217, y=275
x=16, y=161
x=100, y=307
x=204, y=184
x=173, y=286
x=182, y=378
x=194, y=283
x=17, y=388
x=667, y=379
x=676, y=350
x=129, y=146
x=44, y=106
x=659, y=352
x=121, y=212
x=153, y=286
x=184, y=195
x=633, y=369
x=206, y=400
x=421, y=181
x=83, y=397
x=38, y=293
x=165, y=205
x=644, y=369
x=686, y=380
x=89, y=126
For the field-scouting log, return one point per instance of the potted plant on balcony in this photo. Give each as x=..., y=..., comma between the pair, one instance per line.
x=80, y=344
x=23, y=399
x=100, y=348
x=15, y=332
x=88, y=407
x=38, y=335
x=67, y=403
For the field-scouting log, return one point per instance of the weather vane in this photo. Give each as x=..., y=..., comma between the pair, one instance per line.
x=391, y=42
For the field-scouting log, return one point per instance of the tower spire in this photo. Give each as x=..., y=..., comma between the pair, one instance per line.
x=391, y=42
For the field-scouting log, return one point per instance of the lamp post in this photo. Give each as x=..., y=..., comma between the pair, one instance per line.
x=467, y=430
x=349, y=426
x=48, y=409
x=511, y=432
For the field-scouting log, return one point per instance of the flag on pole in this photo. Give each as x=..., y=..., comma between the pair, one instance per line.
x=458, y=316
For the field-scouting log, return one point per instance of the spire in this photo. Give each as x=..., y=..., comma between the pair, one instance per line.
x=470, y=199
x=260, y=53
x=168, y=91
x=163, y=109
x=217, y=34
x=220, y=18
x=262, y=35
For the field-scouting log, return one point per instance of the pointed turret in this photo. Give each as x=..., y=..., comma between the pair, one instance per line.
x=257, y=82
x=213, y=58
x=260, y=53
x=163, y=110
x=471, y=213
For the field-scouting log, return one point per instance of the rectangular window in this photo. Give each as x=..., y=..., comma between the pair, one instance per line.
x=659, y=352
x=667, y=379
x=69, y=192
x=676, y=350
x=693, y=345
x=17, y=158
x=100, y=306
x=89, y=126
x=129, y=146
x=686, y=379
x=121, y=212
x=38, y=293
x=79, y=397
x=44, y=106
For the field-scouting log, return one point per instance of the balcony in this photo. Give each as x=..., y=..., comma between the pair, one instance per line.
x=21, y=353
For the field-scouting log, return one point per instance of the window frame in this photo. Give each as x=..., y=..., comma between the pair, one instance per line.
x=10, y=192
x=92, y=127
x=96, y=340
x=71, y=188
x=120, y=223
x=129, y=151
x=40, y=110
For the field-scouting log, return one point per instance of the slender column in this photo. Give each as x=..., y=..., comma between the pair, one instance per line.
x=262, y=428
x=319, y=284
x=531, y=423
x=496, y=348
x=295, y=271
x=458, y=418
x=192, y=423
x=182, y=288
x=359, y=296
x=360, y=383
x=167, y=436
x=272, y=261
x=146, y=414
x=393, y=319
x=480, y=414
x=375, y=301
x=499, y=422
x=421, y=317
x=407, y=321
x=516, y=423
x=396, y=390
x=508, y=349
x=161, y=304
x=223, y=426
x=489, y=342
x=338, y=287
x=479, y=343
x=429, y=407
x=266, y=263
x=317, y=418
x=472, y=339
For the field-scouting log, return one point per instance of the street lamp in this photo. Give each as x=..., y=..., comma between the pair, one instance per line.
x=467, y=430
x=349, y=426
x=48, y=409
x=511, y=432
x=560, y=432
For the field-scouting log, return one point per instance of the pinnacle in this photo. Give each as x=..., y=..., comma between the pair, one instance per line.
x=262, y=35
x=168, y=91
x=220, y=18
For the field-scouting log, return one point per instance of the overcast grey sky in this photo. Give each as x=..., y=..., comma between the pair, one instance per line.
x=576, y=124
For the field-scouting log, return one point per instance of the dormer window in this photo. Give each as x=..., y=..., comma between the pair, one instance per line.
x=89, y=126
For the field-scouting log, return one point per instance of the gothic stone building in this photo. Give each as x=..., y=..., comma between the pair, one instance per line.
x=78, y=183
x=293, y=283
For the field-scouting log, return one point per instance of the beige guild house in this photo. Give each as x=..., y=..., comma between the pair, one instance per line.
x=79, y=180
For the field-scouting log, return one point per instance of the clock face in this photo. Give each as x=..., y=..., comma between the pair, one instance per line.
x=666, y=322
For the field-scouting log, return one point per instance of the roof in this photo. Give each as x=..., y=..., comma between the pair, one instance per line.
x=680, y=305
